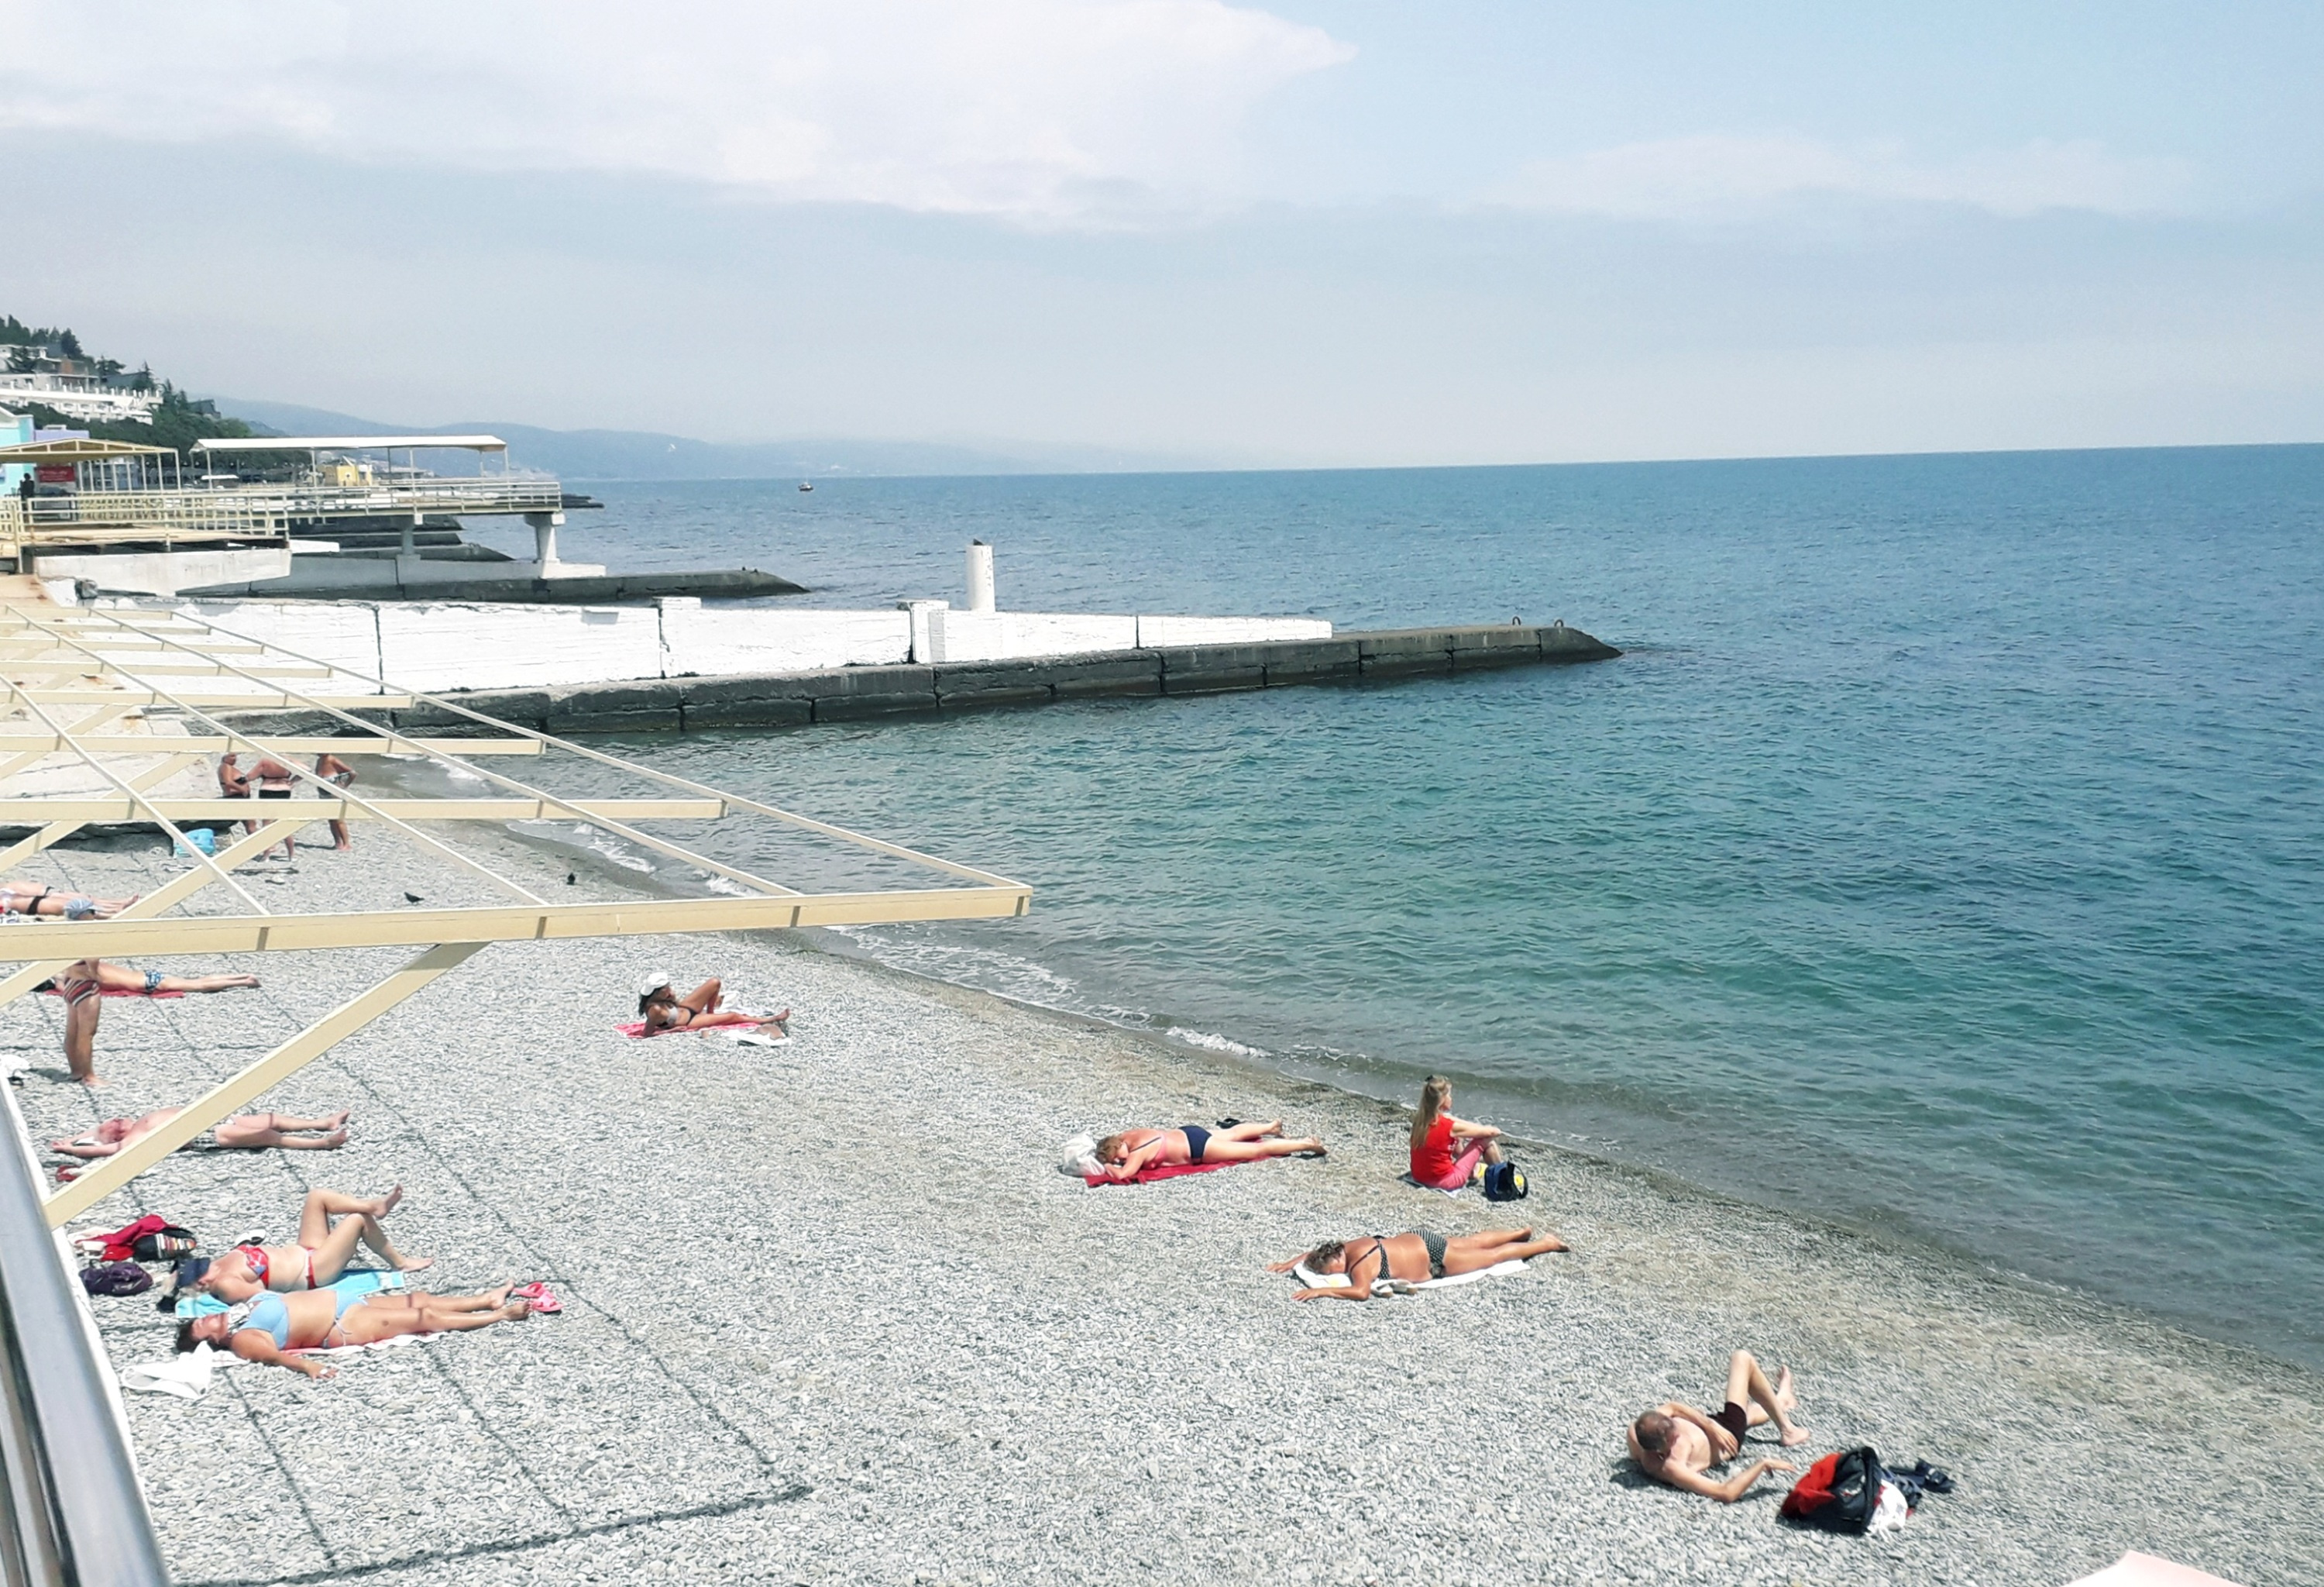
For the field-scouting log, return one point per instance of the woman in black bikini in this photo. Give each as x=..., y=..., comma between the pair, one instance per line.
x=1413, y=1258
x=1129, y=1153
x=36, y=897
x=698, y=1010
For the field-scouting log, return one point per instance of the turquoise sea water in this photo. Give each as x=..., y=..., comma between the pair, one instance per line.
x=1945, y=856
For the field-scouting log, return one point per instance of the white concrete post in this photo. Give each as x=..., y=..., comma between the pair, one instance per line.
x=544, y=539
x=980, y=576
x=928, y=642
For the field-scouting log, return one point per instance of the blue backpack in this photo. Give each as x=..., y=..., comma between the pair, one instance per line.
x=1504, y=1182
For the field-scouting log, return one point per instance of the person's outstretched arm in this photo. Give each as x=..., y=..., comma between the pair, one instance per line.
x=1728, y=1491
x=84, y=1151
x=1472, y=1131
x=252, y=1345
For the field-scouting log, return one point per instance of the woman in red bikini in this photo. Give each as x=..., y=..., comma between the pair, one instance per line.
x=322, y=1253
x=1434, y=1131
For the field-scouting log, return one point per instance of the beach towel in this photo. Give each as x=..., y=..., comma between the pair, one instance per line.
x=754, y=1034
x=1160, y=1171
x=2145, y=1570
x=1439, y=1189
x=1405, y=1286
x=117, y=991
x=183, y=1376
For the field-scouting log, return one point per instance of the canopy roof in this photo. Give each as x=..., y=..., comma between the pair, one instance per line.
x=348, y=443
x=74, y=451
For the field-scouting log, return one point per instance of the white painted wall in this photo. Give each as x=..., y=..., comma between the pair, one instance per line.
x=994, y=636
x=711, y=641
x=438, y=645
x=1155, y=633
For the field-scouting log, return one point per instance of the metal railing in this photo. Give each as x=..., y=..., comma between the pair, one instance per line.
x=87, y=516
x=73, y=1514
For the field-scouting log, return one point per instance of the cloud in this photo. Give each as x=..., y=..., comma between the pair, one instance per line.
x=1718, y=176
x=1043, y=109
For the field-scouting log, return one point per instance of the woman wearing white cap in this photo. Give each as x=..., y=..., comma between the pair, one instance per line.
x=698, y=1010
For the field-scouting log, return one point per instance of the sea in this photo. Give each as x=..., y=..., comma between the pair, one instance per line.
x=1943, y=859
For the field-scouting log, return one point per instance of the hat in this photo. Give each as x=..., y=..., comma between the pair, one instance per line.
x=650, y=985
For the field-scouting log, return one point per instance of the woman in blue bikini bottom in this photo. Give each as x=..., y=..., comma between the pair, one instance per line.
x=357, y=1310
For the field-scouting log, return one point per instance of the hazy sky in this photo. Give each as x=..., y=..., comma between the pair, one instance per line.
x=1313, y=233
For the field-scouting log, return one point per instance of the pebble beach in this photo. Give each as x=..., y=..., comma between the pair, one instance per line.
x=832, y=1314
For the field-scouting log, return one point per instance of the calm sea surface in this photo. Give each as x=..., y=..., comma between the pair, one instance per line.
x=1946, y=856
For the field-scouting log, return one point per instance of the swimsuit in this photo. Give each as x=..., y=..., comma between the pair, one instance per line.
x=270, y=1313
x=273, y=793
x=260, y=1268
x=1435, y=1244
x=1197, y=1137
x=1734, y=1419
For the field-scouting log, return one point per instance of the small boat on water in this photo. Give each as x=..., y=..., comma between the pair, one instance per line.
x=807, y=485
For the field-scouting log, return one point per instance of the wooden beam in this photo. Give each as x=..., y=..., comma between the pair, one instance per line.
x=103, y=807
x=256, y=700
x=212, y=935
x=67, y=662
x=167, y=896
x=224, y=1100
x=202, y=743
x=56, y=831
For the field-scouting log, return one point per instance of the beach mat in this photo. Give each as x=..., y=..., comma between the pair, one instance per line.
x=1166, y=1171
x=637, y=1031
x=120, y=992
x=1314, y=1280
x=2145, y=1570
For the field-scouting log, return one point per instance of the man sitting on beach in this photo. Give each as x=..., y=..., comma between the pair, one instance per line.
x=1678, y=1444
x=1413, y=1258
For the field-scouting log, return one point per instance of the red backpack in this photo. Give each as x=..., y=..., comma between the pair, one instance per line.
x=1838, y=1493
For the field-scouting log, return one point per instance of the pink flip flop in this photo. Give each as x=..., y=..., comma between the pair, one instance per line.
x=540, y=1297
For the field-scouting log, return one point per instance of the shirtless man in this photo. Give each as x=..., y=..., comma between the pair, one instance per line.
x=321, y=1255
x=334, y=1315
x=338, y=773
x=1133, y=1151
x=249, y=1132
x=1414, y=1258
x=1678, y=1444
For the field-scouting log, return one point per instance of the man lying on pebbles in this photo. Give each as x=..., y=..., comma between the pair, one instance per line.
x=1678, y=1444
x=1412, y=1257
x=246, y=1132
x=1127, y=1155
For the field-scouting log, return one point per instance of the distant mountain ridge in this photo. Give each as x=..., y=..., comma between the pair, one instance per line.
x=627, y=454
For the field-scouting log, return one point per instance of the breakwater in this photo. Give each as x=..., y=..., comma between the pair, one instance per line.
x=840, y=694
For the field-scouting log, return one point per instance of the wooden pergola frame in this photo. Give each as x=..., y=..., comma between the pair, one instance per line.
x=120, y=662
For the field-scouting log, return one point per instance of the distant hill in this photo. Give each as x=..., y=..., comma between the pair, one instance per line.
x=628, y=454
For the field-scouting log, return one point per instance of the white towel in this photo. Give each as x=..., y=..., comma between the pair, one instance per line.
x=1080, y=1158
x=188, y=1376
x=1405, y=1286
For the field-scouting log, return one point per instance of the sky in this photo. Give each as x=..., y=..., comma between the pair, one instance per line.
x=1311, y=234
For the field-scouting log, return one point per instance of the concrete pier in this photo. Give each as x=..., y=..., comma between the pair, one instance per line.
x=846, y=694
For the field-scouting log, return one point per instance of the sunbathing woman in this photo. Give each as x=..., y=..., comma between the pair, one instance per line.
x=35, y=898
x=1129, y=1153
x=698, y=1010
x=1413, y=1258
x=1434, y=1131
x=83, y=985
x=249, y=1132
x=322, y=1253
x=327, y=1319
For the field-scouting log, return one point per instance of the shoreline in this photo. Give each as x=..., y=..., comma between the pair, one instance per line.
x=1239, y=1057
x=834, y=1315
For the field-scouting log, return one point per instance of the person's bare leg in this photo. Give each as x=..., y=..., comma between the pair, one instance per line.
x=339, y=839
x=1747, y=1386
x=330, y=1141
x=334, y=1249
x=1221, y=1150
x=1250, y=1131
x=1473, y=1253
x=375, y=1237
x=200, y=982
x=293, y=1122
x=703, y=999
x=80, y=1039
x=1493, y=1151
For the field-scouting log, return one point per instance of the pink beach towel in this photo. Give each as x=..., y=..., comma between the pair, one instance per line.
x=637, y=1031
x=1167, y=1171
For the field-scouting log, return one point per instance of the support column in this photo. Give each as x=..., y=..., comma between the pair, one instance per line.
x=980, y=576
x=544, y=540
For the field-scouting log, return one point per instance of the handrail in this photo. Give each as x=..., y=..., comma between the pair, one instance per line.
x=73, y=1514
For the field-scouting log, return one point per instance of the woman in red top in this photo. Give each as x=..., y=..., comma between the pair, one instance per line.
x=1435, y=1133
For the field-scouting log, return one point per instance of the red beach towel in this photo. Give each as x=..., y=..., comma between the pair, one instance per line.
x=1167, y=1171
x=120, y=992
